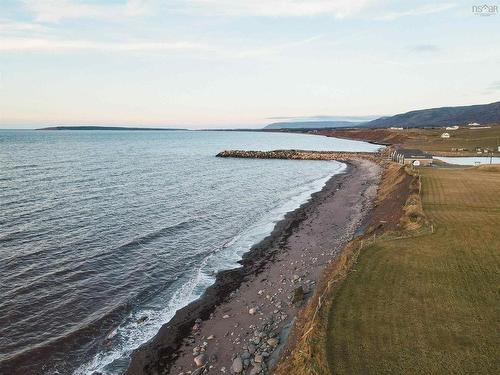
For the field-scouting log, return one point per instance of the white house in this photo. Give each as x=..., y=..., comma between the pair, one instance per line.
x=452, y=127
x=474, y=124
x=445, y=135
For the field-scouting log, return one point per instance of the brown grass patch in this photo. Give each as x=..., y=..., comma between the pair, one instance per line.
x=489, y=168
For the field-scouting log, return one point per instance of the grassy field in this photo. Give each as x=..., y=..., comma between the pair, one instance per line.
x=466, y=138
x=429, y=139
x=427, y=304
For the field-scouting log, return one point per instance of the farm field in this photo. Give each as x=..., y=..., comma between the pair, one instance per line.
x=427, y=304
x=429, y=139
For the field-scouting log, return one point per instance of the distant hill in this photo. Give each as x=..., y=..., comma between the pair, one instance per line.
x=312, y=124
x=438, y=117
x=103, y=128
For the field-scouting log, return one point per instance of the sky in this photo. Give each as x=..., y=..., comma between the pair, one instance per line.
x=235, y=63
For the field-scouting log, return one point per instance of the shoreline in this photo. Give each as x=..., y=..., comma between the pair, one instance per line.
x=238, y=294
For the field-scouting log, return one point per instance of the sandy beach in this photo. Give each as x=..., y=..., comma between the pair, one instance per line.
x=240, y=324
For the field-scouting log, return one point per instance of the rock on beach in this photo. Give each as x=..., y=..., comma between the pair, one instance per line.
x=237, y=366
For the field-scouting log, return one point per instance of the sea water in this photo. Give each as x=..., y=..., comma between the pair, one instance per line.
x=105, y=234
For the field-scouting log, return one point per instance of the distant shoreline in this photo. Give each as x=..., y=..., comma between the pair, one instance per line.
x=106, y=128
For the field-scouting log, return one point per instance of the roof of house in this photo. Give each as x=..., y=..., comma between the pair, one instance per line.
x=414, y=153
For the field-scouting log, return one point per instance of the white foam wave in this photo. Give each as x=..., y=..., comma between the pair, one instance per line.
x=132, y=334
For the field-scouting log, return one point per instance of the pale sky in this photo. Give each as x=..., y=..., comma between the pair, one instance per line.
x=231, y=63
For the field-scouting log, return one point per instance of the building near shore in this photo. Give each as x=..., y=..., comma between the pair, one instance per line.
x=411, y=156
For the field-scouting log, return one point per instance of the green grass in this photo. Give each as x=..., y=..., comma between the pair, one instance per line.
x=467, y=138
x=430, y=304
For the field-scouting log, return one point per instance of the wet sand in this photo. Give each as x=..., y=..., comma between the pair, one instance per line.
x=240, y=323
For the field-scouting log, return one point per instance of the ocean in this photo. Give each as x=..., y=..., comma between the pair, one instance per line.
x=105, y=234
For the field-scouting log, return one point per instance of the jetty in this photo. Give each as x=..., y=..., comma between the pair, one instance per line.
x=300, y=155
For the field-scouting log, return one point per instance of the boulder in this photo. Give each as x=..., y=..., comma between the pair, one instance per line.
x=201, y=360
x=237, y=366
x=245, y=355
x=251, y=348
x=256, y=369
x=273, y=342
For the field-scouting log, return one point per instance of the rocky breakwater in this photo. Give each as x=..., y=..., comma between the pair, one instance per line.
x=299, y=155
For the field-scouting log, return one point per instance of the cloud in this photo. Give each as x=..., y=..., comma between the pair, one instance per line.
x=424, y=48
x=284, y=8
x=492, y=89
x=33, y=44
x=272, y=50
x=57, y=10
x=494, y=86
x=43, y=44
x=13, y=26
x=420, y=11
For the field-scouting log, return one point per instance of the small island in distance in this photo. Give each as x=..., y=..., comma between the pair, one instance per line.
x=84, y=127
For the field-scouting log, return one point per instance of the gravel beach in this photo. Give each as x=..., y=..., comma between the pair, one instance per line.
x=240, y=324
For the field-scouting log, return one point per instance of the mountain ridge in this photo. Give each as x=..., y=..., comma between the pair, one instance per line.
x=440, y=117
x=312, y=124
x=420, y=118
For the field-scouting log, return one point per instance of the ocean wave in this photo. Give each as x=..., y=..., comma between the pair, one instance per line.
x=150, y=237
x=135, y=331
